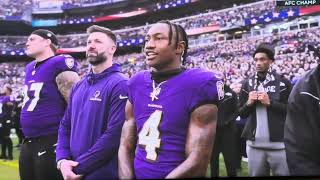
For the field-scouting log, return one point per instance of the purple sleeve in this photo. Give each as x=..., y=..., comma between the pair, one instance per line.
x=63, y=146
x=66, y=62
x=106, y=147
x=7, y=99
x=211, y=92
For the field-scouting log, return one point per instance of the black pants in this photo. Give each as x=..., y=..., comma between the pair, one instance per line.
x=6, y=145
x=225, y=143
x=6, y=140
x=242, y=143
x=19, y=134
x=17, y=127
x=38, y=159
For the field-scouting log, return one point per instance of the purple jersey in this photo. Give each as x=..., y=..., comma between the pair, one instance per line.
x=44, y=105
x=5, y=110
x=162, y=114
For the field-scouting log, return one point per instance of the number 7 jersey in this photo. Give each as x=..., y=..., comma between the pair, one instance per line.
x=43, y=105
x=162, y=114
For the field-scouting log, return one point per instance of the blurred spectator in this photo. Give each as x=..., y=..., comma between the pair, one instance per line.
x=14, y=9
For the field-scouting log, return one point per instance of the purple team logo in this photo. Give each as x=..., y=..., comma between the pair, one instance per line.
x=96, y=96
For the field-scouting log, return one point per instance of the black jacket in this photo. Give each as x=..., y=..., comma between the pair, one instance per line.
x=227, y=113
x=302, y=127
x=276, y=110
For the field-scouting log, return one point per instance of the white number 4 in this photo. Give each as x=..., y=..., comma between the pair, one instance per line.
x=149, y=135
x=36, y=87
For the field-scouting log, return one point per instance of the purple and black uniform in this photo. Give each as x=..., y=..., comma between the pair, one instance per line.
x=5, y=115
x=5, y=127
x=5, y=110
x=43, y=108
x=44, y=105
x=91, y=128
x=162, y=114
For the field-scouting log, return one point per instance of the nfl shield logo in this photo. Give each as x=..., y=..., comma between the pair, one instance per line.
x=69, y=62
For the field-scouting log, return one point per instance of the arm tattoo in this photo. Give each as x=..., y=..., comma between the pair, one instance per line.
x=199, y=143
x=202, y=132
x=65, y=81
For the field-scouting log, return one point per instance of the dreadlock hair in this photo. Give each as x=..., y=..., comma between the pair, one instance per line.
x=181, y=35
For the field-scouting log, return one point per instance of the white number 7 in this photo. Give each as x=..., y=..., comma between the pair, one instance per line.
x=36, y=87
x=149, y=135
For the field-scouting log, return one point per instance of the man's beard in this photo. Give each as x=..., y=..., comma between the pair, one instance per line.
x=96, y=60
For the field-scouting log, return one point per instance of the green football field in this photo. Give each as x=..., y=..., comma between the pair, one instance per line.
x=9, y=170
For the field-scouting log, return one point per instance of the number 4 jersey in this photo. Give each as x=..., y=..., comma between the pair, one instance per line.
x=162, y=114
x=44, y=105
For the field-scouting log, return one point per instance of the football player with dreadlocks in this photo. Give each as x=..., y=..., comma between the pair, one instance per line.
x=171, y=110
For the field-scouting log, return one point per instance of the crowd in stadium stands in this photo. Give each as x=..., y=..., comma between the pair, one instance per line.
x=13, y=8
x=228, y=17
x=170, y=3
x=72, y=41
x=233, y=58
x=12, y=43
x=13, y=74
x=69, y=4
x=222, y=18
x=80, y=40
